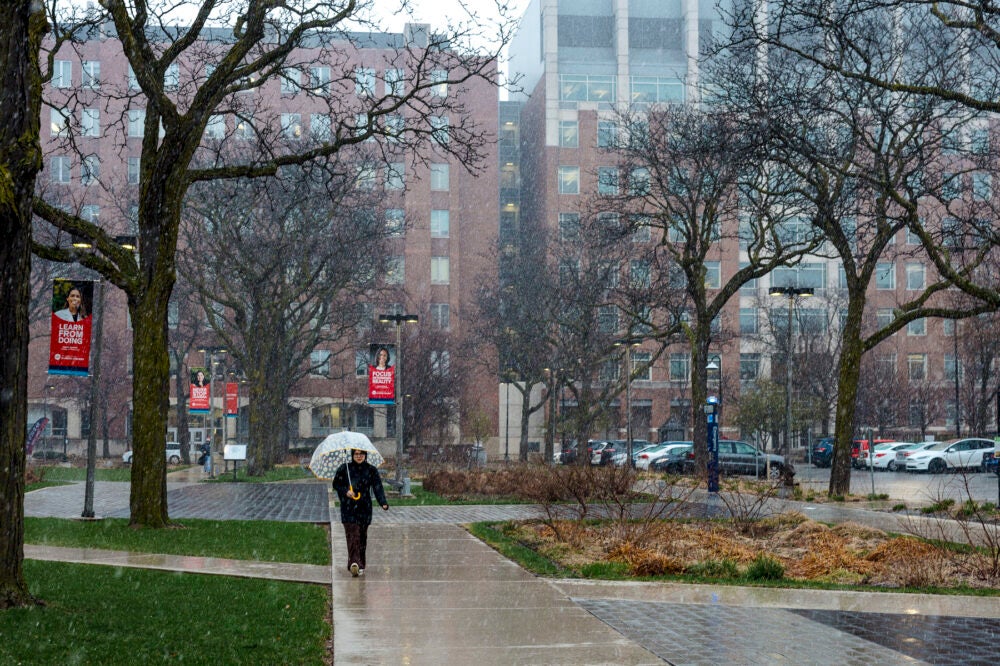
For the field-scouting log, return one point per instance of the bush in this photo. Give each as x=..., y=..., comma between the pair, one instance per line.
x=764, y=568
x=724, y=568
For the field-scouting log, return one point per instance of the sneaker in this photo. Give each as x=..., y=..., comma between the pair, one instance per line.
x=361, y=572
x=354, y=569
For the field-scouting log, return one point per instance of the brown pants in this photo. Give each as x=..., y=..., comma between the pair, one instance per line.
x=357, y=543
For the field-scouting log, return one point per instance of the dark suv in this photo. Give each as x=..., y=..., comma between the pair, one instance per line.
x=822, y=453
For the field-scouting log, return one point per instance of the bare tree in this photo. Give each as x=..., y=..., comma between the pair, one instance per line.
x=188, y=77
x=280, y=267
x=24, y=26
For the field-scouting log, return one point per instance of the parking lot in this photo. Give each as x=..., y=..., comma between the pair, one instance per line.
x=905, y=486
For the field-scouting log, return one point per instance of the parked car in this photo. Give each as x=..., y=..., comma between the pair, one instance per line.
x=903, y=454
x=646, y=458
x=615, y=453
x=568, y=455
x=595, y=446
x=674, y=460
x=884, y=456
x=859, y=451
x=822, y=452
x=173, y=452
x=965, y=453
x=741, y=458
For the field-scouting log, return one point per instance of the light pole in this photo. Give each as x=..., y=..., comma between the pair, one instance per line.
x=628, y=342
x=210, y=353
x=398, y=320
x=791, y=293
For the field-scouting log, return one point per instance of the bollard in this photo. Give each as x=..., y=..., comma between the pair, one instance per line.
x=405, y=490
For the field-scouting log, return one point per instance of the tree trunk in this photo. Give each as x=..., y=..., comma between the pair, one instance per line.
x=266, y=413
x=847, y=398
x=699, y=394
x=20, y=161
x=148, y=497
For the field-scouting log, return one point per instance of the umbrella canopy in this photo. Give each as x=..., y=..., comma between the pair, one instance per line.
x=336, y=449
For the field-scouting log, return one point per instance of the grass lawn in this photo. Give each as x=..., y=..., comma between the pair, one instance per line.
x=267, y=541
x=57, y=473
x=281, y=473
x=107, y=615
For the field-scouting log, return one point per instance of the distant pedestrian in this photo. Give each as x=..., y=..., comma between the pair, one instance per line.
x=355, y=481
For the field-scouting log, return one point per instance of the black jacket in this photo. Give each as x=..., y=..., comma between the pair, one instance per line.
x=365, y=479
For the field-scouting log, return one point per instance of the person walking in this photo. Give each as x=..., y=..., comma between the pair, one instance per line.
x=355, y=481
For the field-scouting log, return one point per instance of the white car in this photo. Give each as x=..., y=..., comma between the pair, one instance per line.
x=884, y=455
x=647, y=457
x=966, y=453
x=173, y=454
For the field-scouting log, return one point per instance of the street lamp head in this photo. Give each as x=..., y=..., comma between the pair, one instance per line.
x=791, y=292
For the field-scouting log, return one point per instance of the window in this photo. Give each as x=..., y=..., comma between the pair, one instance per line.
x=916, y=412
x=361, y=363
x=569, y=134
x=133, y=170
x=952, y=367
x=607, y=319
x=982, y=186
x=361, y=125
x=319, y=362
x=639, y=274
x=291, y=80
x=915, y=277
x=319, y=126
x=917, y=327
x=439, y=81
x=917, y=366
x=91, y=213
x=440, y=363
x=395, y=221
x=948, y=327
x=90, y=122
x=133, y=82
x=172, y=77
x=395, y=125
x=439, y=177
x=912, y=238
x=91, y=74
x=654, y=90
x=885, y=276
x=62, y=74
x=90, y=169
x=395, y=82
x=441, y=316
x=58, y=122
x=583, y=88
x=59, y=168
x=951, y=186
x=173, y=316
x=569, y=227
x=439, y=270
x=749, y=367
x=244, y=127
x=643, y=229
x=439, y=129
x=439, y=223
x=610, y=371
x=569, y=180
x=606, y=133
x=642, y=366
x=883, y=317
x=291, y=125
x=319, y=80
x=748, y=321
x=367, y=178
x=680, y=366
x=215, y=128
x=607, y=180
x=639, y=183
x=136, y=123
x=951, y=232
x=395, y=176
x=395, y=270
x=713, y=275
x=364, y=82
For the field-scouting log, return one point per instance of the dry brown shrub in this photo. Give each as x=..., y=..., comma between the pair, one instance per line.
x=721, y=545
x=909, y=562
x=645, y=561
x=34, y=475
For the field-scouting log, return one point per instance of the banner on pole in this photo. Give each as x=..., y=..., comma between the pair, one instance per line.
x=201, y=398
x=232, y=399
x=69, y=343
x=381, y=374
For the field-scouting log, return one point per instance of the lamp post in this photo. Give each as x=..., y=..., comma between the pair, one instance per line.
x=628, y=342
x=210, y=353
x=791, y=293
x=398, y=320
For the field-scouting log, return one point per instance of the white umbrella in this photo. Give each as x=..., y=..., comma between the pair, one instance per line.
x=336, y=449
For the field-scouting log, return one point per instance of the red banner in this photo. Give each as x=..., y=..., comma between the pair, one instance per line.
x=201, y=392
x=232, y=399
x=381, y=374
x=69, y=344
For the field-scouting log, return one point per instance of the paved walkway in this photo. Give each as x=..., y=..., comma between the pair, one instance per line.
x=434, y=594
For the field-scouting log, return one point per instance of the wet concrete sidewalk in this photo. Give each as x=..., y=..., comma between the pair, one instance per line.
x=432, y=593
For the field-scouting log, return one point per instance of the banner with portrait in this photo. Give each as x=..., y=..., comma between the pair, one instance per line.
x=69, y=344
x=381, y=374
x=201, y=392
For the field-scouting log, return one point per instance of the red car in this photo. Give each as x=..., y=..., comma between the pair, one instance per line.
x=859, y=451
